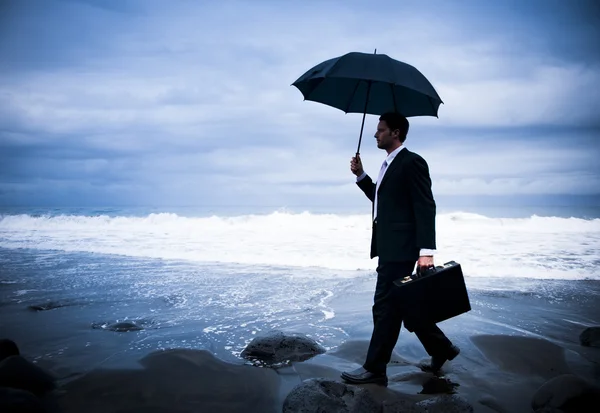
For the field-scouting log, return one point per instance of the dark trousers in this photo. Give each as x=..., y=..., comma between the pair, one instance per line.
x=388, y=317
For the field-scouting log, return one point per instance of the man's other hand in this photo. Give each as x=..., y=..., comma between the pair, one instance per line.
x=356, y=166
x=425, y=262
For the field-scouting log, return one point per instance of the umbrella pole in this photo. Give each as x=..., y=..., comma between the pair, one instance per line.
x=364, y=115
x=363, y=120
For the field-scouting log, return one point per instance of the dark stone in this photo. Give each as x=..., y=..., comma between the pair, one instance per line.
x=568, y=393
x=124, y=326
x=590, y=337
x=175, y=381
x=155, y=409
x=588, y=401
x=401, y=406
x=328, y=396
x=492, y=403
x=18, y=373
x=50, y=305
x=513, y=354
x=446, y=404
x=19, y=401
x=8, y=348
x=437, y=385
x=121, y=327
x=277, y=347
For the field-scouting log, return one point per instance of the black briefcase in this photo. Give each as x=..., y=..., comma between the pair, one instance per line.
x=436, y=295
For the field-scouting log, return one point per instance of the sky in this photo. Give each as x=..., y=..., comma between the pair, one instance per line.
x=158, y=103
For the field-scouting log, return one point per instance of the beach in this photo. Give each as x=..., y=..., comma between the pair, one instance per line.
x=196, y=198
x=518, y=335
x=128, y=333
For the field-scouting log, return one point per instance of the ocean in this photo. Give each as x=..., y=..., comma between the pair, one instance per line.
x=489, y=244
x=214, y=278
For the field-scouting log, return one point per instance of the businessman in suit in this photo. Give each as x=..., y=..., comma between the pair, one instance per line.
x=403, y=234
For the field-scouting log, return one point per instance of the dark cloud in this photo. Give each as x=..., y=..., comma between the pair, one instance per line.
x=50, y=35
x=119, y=6
x=552, y=30
x=144, y=102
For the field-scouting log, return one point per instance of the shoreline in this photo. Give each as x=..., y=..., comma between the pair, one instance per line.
x=512, y=343
x=499, y=373
x=61, y=309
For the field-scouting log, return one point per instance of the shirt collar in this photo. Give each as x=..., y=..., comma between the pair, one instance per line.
x=392, y=155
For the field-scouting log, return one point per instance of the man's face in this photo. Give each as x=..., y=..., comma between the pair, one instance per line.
x=385, y=137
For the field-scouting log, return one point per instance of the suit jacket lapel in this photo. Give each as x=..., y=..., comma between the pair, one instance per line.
x=395, y=163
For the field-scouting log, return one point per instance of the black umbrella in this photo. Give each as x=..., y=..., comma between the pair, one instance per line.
x=369, y=83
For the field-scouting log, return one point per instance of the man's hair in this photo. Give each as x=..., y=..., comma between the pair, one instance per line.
x=394, y=121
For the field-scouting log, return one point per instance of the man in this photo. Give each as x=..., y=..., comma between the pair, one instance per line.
x=403, y=233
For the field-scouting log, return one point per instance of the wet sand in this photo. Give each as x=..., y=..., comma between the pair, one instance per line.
x=511, y=343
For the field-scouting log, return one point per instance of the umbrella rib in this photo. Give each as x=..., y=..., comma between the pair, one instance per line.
x=326, y=72
x=392, y=84
x=352, y=96
x=312, y=89
x=430, y=99
x=394, y=98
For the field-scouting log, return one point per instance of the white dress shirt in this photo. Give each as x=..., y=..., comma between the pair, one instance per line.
x=389, y=159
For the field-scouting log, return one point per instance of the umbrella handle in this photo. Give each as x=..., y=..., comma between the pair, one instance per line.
x=362, y=126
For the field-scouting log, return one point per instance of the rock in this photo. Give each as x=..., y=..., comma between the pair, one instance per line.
x=121, y=327
x=590, y=337
x=50, y=305
x=155, y=409
x=446, y=404
x=328, y=396
x=513, y=354
x=174, y=381
x=588, y=402
x=566, y=392
x=124, y=326
x=277, y=347
x=18, y=373
x=401, y=406
x=8, y=348
x=492, y=403
x=19, y=401
x=437, y=385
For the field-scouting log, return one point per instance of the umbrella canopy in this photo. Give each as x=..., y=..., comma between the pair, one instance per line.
x=369, y=83
x=346, y=82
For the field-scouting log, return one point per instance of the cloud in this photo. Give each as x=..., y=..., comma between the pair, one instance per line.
x=146, y=102
x=551, y=96
x=548, y=184
x=183, y=65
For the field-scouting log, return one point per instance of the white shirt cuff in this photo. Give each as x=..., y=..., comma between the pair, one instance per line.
x=424, y=252
x=361, y=177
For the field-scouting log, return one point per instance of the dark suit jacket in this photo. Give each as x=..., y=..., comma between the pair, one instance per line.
x=405, y=209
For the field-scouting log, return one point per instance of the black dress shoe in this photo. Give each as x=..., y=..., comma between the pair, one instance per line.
x=438, y=361
x=363, y=376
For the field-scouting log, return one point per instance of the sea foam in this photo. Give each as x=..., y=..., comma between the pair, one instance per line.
x=534, y=247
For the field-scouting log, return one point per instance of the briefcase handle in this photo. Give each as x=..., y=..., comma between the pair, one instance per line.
x=429, y=271
x=433, y=270
x=416, y=275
